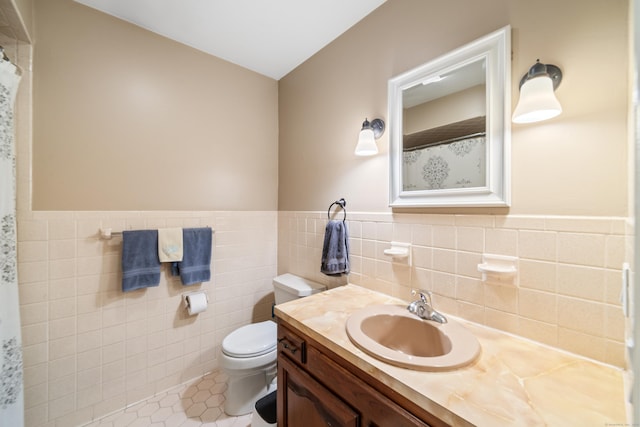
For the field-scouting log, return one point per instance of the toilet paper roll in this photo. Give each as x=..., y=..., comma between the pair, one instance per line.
x=196, y=303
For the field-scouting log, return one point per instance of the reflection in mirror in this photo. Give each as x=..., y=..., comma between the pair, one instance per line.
x=449, y=130
x=444, y=126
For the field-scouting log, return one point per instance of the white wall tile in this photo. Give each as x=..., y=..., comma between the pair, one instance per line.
x=35, y=395
x=546, y=333
x=582, y=343
x=89, y=360
x=78, y=324
x=61, y=328
x=501, y=241
x=444, y=237
x=582, y=282
x=62, y=347
x=467, y=264
x=29, y=272
x=62, y=229
x=60, y=308
x=581, y=248
x=31, y=251
x=444, y=260
x=567, y=268
x=33, y=355
x=31, y=293
x=538, y=245
x=501, y=298
x=31, y=314
x=32, y=230
x=62, y=406
x=537, y=305
x=62, y=386
x=582, y=316
x=421, y=235
x=470, y=239
x=62, y=288
x=80, y=282
x=538, y=275
x=62, y=249
x=62, y=367
x=614, y=251
x=34, y=334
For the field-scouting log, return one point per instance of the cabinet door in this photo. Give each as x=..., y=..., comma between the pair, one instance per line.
x=374, y=408
x=302, y=401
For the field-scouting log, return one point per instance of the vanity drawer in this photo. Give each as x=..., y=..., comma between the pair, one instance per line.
x=291, y=345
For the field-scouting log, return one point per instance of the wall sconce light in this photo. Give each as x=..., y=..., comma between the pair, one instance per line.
x=368, y=135
x=537, y=100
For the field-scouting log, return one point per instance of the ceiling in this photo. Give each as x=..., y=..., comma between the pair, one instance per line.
x=11, y=24
x=270, y=37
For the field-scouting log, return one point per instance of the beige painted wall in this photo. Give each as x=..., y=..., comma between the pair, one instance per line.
x=127, y=120
x=572, y=165
x=88, y=348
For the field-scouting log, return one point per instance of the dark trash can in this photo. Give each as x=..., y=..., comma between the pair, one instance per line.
x=266, y=407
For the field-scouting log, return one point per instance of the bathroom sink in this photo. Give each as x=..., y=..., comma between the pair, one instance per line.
x=394, y=335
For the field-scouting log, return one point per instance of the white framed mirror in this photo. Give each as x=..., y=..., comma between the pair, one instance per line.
x=450, y=129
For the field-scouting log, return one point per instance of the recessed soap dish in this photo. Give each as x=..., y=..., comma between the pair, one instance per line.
x=399, y=251
x=499, y=269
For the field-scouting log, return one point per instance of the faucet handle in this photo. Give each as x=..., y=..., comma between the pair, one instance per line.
x=425, y=296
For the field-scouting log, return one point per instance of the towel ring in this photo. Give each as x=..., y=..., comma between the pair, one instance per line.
x=342, y=203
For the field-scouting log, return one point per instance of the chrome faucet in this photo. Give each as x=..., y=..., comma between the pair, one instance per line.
x=423, y=308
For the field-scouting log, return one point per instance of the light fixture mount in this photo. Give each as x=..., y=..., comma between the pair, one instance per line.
x=376, y=125
x=538, y=69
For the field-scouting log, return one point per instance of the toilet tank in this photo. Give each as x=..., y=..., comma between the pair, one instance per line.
x=288, y=287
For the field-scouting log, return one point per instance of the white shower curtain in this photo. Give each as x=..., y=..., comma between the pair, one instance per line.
x=11, y=390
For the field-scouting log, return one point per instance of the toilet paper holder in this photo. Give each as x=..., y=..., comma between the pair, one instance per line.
x=185, y=300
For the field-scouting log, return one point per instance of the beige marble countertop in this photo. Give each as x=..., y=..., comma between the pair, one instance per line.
x=515, y=382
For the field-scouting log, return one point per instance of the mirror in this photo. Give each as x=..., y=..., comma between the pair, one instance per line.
x=450, y=130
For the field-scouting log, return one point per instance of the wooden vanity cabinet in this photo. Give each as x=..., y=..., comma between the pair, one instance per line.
x=316, y=387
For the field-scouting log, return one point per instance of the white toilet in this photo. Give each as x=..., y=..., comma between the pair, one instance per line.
x=249, y=353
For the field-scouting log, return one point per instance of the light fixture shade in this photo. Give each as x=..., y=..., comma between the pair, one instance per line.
x=537, y=101
x=366, y=143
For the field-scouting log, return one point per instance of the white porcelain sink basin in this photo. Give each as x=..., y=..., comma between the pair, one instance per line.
x=391, y=334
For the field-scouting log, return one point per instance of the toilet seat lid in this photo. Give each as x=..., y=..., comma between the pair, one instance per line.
x=251, y=340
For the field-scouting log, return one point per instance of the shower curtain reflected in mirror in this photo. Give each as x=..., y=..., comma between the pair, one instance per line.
x=11, y=389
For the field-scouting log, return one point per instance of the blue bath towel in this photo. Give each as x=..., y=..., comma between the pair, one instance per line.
x=195, y=266
x=140, y=263
x=335, y=251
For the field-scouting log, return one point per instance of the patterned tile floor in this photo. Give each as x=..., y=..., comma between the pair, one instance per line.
x=199, y=404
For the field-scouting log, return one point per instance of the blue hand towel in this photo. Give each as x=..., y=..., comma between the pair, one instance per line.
x=196, y=256
x=140, y=263
x=335, y=251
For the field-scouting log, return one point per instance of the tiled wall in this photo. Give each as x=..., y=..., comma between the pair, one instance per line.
x=90, y=349
x=569, y=270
